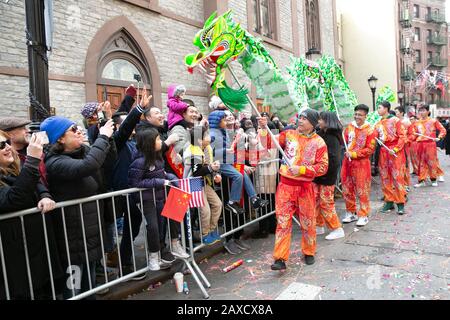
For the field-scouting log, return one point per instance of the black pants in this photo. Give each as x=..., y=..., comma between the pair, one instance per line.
x=269, y=224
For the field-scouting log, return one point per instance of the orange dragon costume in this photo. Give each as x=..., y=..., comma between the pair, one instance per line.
x=295, y=194
x=356, y=174
x=428, y=165
x=392, y=133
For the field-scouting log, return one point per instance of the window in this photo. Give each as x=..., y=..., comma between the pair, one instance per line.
x=429, y=57
x=418, y=56
x=416, y=34
x=121, y=60
x=428, y=12
x=313, y=24
x=264, y=17
x=416, y=11
x=429, y=35
x=120, y=69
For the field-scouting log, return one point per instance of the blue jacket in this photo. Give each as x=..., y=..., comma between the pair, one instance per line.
x=119, y=177
x=220, y=139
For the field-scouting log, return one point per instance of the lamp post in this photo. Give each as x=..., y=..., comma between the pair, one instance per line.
x=373, y=87
x=313, y=54
x=400, y=96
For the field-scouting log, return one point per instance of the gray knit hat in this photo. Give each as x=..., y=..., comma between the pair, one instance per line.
x=312, y=116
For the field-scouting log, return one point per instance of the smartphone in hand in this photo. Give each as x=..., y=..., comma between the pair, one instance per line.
x=43, y=136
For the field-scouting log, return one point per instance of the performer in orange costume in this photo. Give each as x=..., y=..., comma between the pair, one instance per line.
x=307, y=154
x=400, y=113
x=425, y=134
x=413, y=144
x=392, y=164
x=355, y=172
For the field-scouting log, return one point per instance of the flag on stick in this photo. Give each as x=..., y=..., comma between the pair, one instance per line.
x=194, y=186
x=176, y=205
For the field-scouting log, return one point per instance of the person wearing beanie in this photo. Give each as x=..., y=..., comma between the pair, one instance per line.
x=391, y=133
x=307, y=154
x=73, y=172
x=56, y=127
x=95, y=113
x=356, y=172
x=221, y=143
x=176, y=105
x=424, y=132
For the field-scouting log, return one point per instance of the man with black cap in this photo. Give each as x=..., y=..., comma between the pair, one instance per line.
x=424, y=132
x=307, y=154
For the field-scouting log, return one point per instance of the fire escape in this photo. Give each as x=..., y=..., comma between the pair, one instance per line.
x=407, y=59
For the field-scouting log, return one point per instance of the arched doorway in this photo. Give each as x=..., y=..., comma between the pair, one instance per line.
x=121, y=63
x=117, y=52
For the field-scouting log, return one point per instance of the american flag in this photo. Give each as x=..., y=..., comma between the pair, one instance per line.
x=194, y=186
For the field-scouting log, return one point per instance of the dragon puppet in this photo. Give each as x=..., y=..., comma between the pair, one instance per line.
x=319, y=85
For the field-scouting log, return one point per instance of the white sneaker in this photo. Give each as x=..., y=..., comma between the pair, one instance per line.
x=178, y=251
x=320, y=231
x=362, y=221
x=336, y=234
x=349, y=217
x=153, y=261
x=420, y=185
x=441, y=179
x=434, y=184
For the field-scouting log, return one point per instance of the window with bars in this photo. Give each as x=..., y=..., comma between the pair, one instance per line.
x=264, y=16
x=416, y=11
x=313, y=24
x=416, y=34
x=418, y=56
x=429, y=57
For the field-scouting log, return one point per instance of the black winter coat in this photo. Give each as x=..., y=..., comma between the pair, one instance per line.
x=163, y=132
x=140, y=176
x=77, y=175
x=332, y=140
x=21, y=193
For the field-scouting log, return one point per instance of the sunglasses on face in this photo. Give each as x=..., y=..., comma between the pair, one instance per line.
x=74, y=129
x=3, y=144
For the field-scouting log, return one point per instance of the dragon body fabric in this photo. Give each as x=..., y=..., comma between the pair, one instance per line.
x=320, y=85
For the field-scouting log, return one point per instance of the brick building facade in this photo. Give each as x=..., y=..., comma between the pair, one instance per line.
x=98, y=46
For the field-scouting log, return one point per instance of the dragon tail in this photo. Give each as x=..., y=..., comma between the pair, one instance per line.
x=234, y=99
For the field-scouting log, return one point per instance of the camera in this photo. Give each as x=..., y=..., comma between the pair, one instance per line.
x=137, y=77
x=101, y=118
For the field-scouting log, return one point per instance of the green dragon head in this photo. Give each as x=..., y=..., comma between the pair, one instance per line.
x=221, y=40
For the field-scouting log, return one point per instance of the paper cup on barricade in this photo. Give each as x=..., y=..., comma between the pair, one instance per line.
x=178, y=279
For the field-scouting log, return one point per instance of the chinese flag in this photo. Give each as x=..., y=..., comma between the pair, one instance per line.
x=176, y=205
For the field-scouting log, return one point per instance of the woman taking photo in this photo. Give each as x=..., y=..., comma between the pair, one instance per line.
x=73, y=172
x=18, y=191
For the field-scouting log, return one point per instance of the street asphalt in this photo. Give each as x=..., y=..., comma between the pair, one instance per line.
x=393, y=257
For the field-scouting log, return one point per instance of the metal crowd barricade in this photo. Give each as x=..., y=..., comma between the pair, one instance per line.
x=265, y=180
x=62, y=206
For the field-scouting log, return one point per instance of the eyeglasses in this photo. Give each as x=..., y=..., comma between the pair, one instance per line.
x=3, y=144
x=74, y=129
